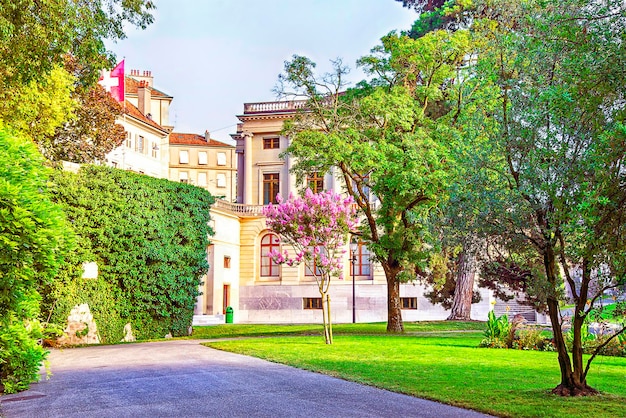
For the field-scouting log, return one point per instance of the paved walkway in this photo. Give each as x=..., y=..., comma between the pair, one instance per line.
x=185, y=379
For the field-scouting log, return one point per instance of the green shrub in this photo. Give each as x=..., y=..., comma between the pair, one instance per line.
x=499, y=332
x=21, y=355
x=33, y=240
x=149, y=238
x=531, y=338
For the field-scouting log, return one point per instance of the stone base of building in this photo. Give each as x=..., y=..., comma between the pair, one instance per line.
x=276, y=304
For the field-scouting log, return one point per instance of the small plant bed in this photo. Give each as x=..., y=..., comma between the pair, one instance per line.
x=502, y=333
x=447, y=367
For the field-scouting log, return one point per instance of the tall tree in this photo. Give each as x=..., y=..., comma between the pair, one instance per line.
x=317, y=227
x=551, y=186
x=92, y=133
x=35, y=35
x=388, y=140
x=38, y=108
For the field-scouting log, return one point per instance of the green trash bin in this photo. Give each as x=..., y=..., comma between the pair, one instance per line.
x=229, y=315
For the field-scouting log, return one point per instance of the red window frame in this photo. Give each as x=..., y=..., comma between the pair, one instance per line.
x=269, y=268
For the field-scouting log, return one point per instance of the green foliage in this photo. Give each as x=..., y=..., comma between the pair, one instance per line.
x=149, y=237
x=35, y=35
x=532, y=338
x=498, y=331
x=92, y=133
x=546, y=184
x=390, y=139
x=33, y=240
x=21, y=355
x=101, y=297
x=38, y=108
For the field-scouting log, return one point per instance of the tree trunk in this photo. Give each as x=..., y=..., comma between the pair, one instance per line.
x=464, y=289
x=394, y=307
x=573, y=382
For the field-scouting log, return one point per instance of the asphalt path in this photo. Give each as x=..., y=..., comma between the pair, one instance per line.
x=185, y=379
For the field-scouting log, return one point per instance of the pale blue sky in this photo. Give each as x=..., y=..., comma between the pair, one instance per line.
x=215, y=55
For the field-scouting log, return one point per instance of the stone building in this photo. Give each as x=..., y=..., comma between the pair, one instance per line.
x=260, y=291
x=146, y=121
x=204, y=162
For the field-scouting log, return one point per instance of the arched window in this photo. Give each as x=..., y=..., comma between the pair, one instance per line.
x=268, y=267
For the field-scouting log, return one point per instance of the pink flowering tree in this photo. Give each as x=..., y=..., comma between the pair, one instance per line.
x=317, y=227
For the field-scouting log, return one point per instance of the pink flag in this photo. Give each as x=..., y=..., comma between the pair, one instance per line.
x=113, y=81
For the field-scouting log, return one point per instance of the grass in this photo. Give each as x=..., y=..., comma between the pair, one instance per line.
x=244, y=330
x=438, y=361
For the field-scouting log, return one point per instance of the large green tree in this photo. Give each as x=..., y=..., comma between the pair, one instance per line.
x=35, y=35
x=91, y=133
x=388, y=140
x=36, y=109
x=550, y=189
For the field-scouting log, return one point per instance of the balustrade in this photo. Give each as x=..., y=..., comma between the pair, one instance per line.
x=271, y=107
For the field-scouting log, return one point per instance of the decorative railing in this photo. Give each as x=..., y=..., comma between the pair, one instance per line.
x=239, y=209
x=274, y=107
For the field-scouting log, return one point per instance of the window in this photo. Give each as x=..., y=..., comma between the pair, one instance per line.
x=308, y=271
x=155, y=150
x=270, y=188
x=129, y=140
x=269, y=243
x=183, y=157
x=315, y=182
x=221, y=180
x=226, y=261
x=362, y=265
x=183, y=176
x=139, y=145
x=221, y=158
x=312, y=303
x=202, y=158
x=409, y=303
x=271, y=143
x=202, y=179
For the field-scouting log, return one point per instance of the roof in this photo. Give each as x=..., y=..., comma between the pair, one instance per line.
x=177, y=138
x=131, y=110
x=131, y=85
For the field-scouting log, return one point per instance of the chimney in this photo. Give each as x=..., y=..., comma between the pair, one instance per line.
x=143, y=76
x=207, y=136
x=144, y=97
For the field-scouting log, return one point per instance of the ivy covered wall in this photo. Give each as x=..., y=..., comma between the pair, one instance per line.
x=149, y=238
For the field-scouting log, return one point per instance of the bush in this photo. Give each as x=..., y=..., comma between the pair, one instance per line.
x=33, y=240
x=21, y=355
x=530, y=338
x=149, y=238
x=499, y=332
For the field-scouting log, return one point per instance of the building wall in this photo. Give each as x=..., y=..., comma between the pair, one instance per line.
x=281, y=299
x=279, y=303
x=224, y=187
x=224, y=243
x=151, y=159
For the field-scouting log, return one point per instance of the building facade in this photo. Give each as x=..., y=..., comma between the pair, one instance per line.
x=204, y=162
x=145, y=119
x=261, y=291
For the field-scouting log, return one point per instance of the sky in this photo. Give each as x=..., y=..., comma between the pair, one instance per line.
x=213, y=56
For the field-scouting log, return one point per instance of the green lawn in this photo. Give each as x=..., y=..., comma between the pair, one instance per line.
x=435, y=361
